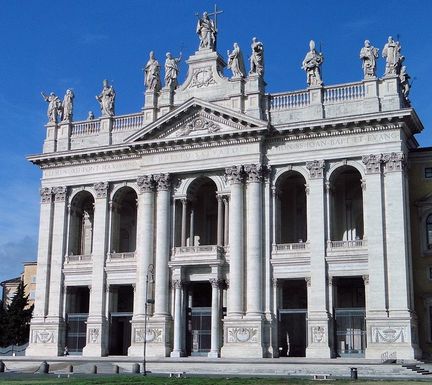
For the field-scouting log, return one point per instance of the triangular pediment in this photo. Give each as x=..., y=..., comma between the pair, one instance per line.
x=197, y=118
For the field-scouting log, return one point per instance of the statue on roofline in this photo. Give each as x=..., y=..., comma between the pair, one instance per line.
x=67, y=106
x=106, y=99
x=392, y=54
x=369, y=56
x=206, y=30
x=235, y=62
x=405, y=83
x=312, y=65
x=171, y=70
x=257, y=58
x=54, y=106
x=152, y=74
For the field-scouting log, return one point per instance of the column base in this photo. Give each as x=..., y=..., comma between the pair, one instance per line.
x=97, y=339
x=213, y=355
x=392, y=339
x=158, y=337
x=245, y=338
x=46, y=338
x=176, y=353
x=318, y=338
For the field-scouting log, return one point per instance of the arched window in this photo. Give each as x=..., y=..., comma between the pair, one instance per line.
x=429, y=231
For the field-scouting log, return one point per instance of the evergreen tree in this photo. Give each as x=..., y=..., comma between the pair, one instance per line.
x=4, y=335
x=18, y=316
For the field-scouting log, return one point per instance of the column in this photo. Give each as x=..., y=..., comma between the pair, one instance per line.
x=220, y=221
x=254, y=240
x=177, y=348
x=144, y=258
x=162, y=244
x=57, y=255
x=192, y=226
x=97, y=340
x=235, y=294
x=183, y=221
x=398, y=257
x=37, y=324
x=318, y=317
x=215, y=318
x=226, y=220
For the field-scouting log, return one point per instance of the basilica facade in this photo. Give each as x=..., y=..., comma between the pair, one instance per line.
x=225, y=221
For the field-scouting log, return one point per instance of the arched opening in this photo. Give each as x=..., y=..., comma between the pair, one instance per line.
x=124, y=219
x=291, y=211
x=346, y=205
x=197, y=215
x=81, y=224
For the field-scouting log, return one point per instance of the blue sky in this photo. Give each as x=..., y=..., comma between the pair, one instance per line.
x=51, y=46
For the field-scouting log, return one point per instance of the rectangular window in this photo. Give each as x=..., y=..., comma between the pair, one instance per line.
x=428, y=172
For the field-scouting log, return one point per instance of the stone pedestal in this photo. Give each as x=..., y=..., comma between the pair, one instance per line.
x=316, y=107
x=150, y=106
x=46, y=338
x=166, y=100
x=63, y=136
x=254, y=96
x=371, y=101
x=318, y=335
x=236, y=95
x=159, y=332
x=391, y=98
x=105, y=130
x=50, y=143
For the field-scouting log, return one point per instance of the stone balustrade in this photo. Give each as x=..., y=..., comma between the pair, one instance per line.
x=78, y=258
x=128, y=122
x=120, y=256
x=357, y=243
x=85, y=128
x=287, y=247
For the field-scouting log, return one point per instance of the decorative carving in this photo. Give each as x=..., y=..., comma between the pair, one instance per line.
x=318, y=334
x=242, y=335
x=389, y=335
x=234, y=174
x=365, y=279
x=308, y=281
x=275, y=282
x=145, y=183
x=106, y=99
x=217, y=283
x=369, y=55
x=45, y=194
x=312, y=65
x=176, y=284
x=151, y=335
x=202, y=77
x=316, y=168
x=199, y=124
x=43, y=336
x=394, y=161
x=307, y=188
x=372, y=163
x=363, y=184
x=101, y=189
x=59, y=193
x=93, y=335
x=254, y=173
x=163, y=181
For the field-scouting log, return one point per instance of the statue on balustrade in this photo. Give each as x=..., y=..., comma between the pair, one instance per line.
x=90, y=115
x=405, y=83
x=152, y=74
x=171, y=70
x=67, y=106
x=106, y=99
x=369, y=56
x=392, y=54
x=257, y=58
x=312, y=65
x=235, y=62
x=206, y=30
x=54, y=106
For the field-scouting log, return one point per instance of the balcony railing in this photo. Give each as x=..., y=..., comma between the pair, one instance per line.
x=290, y=247
x=128, y=122
x=205, y=249
x=85, y=128
x=338, y=245
x=78, y=258
x=346, y=92
x=288, y=100
x=120, y=256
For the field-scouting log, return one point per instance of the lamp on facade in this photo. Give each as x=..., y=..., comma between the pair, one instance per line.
x=148, y=301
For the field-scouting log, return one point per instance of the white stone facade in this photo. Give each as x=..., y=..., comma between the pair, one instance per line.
x=219, y=183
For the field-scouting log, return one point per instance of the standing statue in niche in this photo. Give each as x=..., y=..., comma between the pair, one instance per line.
x=405, y=83
x=206, y=30
x=106, y=99
x=369, y=56
x=257, y=58
x=171, y=70
x=67, y=106
x=152, y=74
x=54, y=106
x=235, y=62
x=392, y=54
x=312, y=65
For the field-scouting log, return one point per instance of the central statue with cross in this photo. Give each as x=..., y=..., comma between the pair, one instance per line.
x=207, y=29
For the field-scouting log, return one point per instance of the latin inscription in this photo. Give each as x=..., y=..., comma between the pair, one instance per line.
x=91, y=168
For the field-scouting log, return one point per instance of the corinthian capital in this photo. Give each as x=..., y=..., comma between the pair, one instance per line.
x=59, y=193
x=372, y=163
x=145, y=183
x=163, y=181
x=316, y=168
x=101, y=189
x=254, y=173
x=394, y=161
x=234, y=174
x=45, y=194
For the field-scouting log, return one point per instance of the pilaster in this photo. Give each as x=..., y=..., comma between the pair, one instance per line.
x=97, y=338
x=178, y=334
x=318, y=318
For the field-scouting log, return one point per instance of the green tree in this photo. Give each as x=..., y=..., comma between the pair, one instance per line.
x=18, y=315
x=4, y=335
